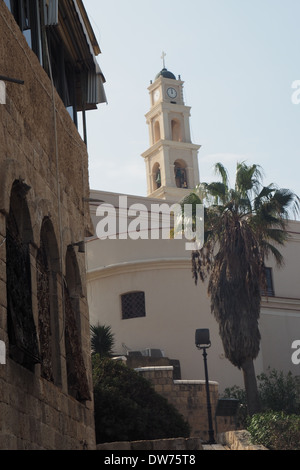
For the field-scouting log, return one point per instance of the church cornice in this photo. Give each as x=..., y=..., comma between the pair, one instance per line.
x=271, y=304
x=164, y=106
x=177, y=108
x=171, y=144
x=139, y=266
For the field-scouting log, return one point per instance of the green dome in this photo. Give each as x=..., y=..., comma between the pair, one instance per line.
x=166, y=74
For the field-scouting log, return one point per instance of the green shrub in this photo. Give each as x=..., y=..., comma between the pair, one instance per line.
x=279, y=392
x=102, y=340
x=278, y=426
x=239, y=394
x=276, y=430
x=127, y=408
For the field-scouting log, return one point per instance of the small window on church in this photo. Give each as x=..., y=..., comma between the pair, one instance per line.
x=268, y=289
x=133, y=305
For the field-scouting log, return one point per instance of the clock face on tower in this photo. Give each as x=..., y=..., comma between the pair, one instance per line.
x=171, y=92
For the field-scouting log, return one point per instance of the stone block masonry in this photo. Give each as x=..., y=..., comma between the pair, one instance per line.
x=180, y=444
x=46, y=384
x=189, y=398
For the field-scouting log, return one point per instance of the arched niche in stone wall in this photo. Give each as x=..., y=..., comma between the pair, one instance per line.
x=22, y=335
x=76, y=371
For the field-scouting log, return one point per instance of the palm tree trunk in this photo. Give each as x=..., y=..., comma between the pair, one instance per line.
x=250, y=382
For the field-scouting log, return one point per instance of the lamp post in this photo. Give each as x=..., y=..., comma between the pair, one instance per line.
x=203, y=342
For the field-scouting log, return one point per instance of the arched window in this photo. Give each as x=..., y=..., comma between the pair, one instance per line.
x=47, y=264
x=157, y=135
x=76, y=370
x=180, y=174
x=23, y=344
x=176, y=130
x=156, y=176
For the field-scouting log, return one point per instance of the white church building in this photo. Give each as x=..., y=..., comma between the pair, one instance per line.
x=140, y=280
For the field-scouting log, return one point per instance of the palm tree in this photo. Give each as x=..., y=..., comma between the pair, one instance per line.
x=243, y=226
x=102, y=340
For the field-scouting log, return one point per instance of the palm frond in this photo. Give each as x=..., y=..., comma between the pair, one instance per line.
x=285, y=200
x=221, y=170
x=263, y=196
x=102, y=340
x=277, y=235
x=192, y=198
x=218, y=191
x=268, y=248
x=248, y=178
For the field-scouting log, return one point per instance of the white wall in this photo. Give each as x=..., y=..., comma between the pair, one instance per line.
x=175, y=307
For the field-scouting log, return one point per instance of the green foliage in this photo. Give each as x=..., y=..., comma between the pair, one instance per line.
x=276, y=430
x=279, y=392
x=239, y=394
x=278, y=426
x=102, y=340
x=127, y=408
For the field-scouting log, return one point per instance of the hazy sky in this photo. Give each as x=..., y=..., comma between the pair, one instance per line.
x=238, y=59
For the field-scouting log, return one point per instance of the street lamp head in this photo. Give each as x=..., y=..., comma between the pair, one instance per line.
x=202, y=339
x=203, y=342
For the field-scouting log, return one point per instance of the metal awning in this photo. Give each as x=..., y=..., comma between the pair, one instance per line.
x=50, y=12
x=81, y=45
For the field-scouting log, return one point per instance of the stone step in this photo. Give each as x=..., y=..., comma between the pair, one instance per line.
x=214, y=447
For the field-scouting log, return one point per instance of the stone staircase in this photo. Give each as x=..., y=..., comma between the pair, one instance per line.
x=236, y=440
x=231, y=440
x=215, y=447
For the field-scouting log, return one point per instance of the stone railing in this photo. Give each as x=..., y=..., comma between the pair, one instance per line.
x=180, y=444
x=189, y=398
x=232, y=440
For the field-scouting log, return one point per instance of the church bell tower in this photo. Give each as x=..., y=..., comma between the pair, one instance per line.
x=172, y=159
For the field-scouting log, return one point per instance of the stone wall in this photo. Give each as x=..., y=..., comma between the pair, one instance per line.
x=179, y=444
x=45, y=386
x=231, y=440
x=238, y=440
x=189, y=398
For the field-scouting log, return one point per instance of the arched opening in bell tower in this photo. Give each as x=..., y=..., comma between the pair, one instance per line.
x=157, y=135
x=156, y=176
x=180, y=174
x=176, y=130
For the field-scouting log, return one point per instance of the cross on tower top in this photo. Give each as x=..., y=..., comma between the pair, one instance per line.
x=163, y=59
